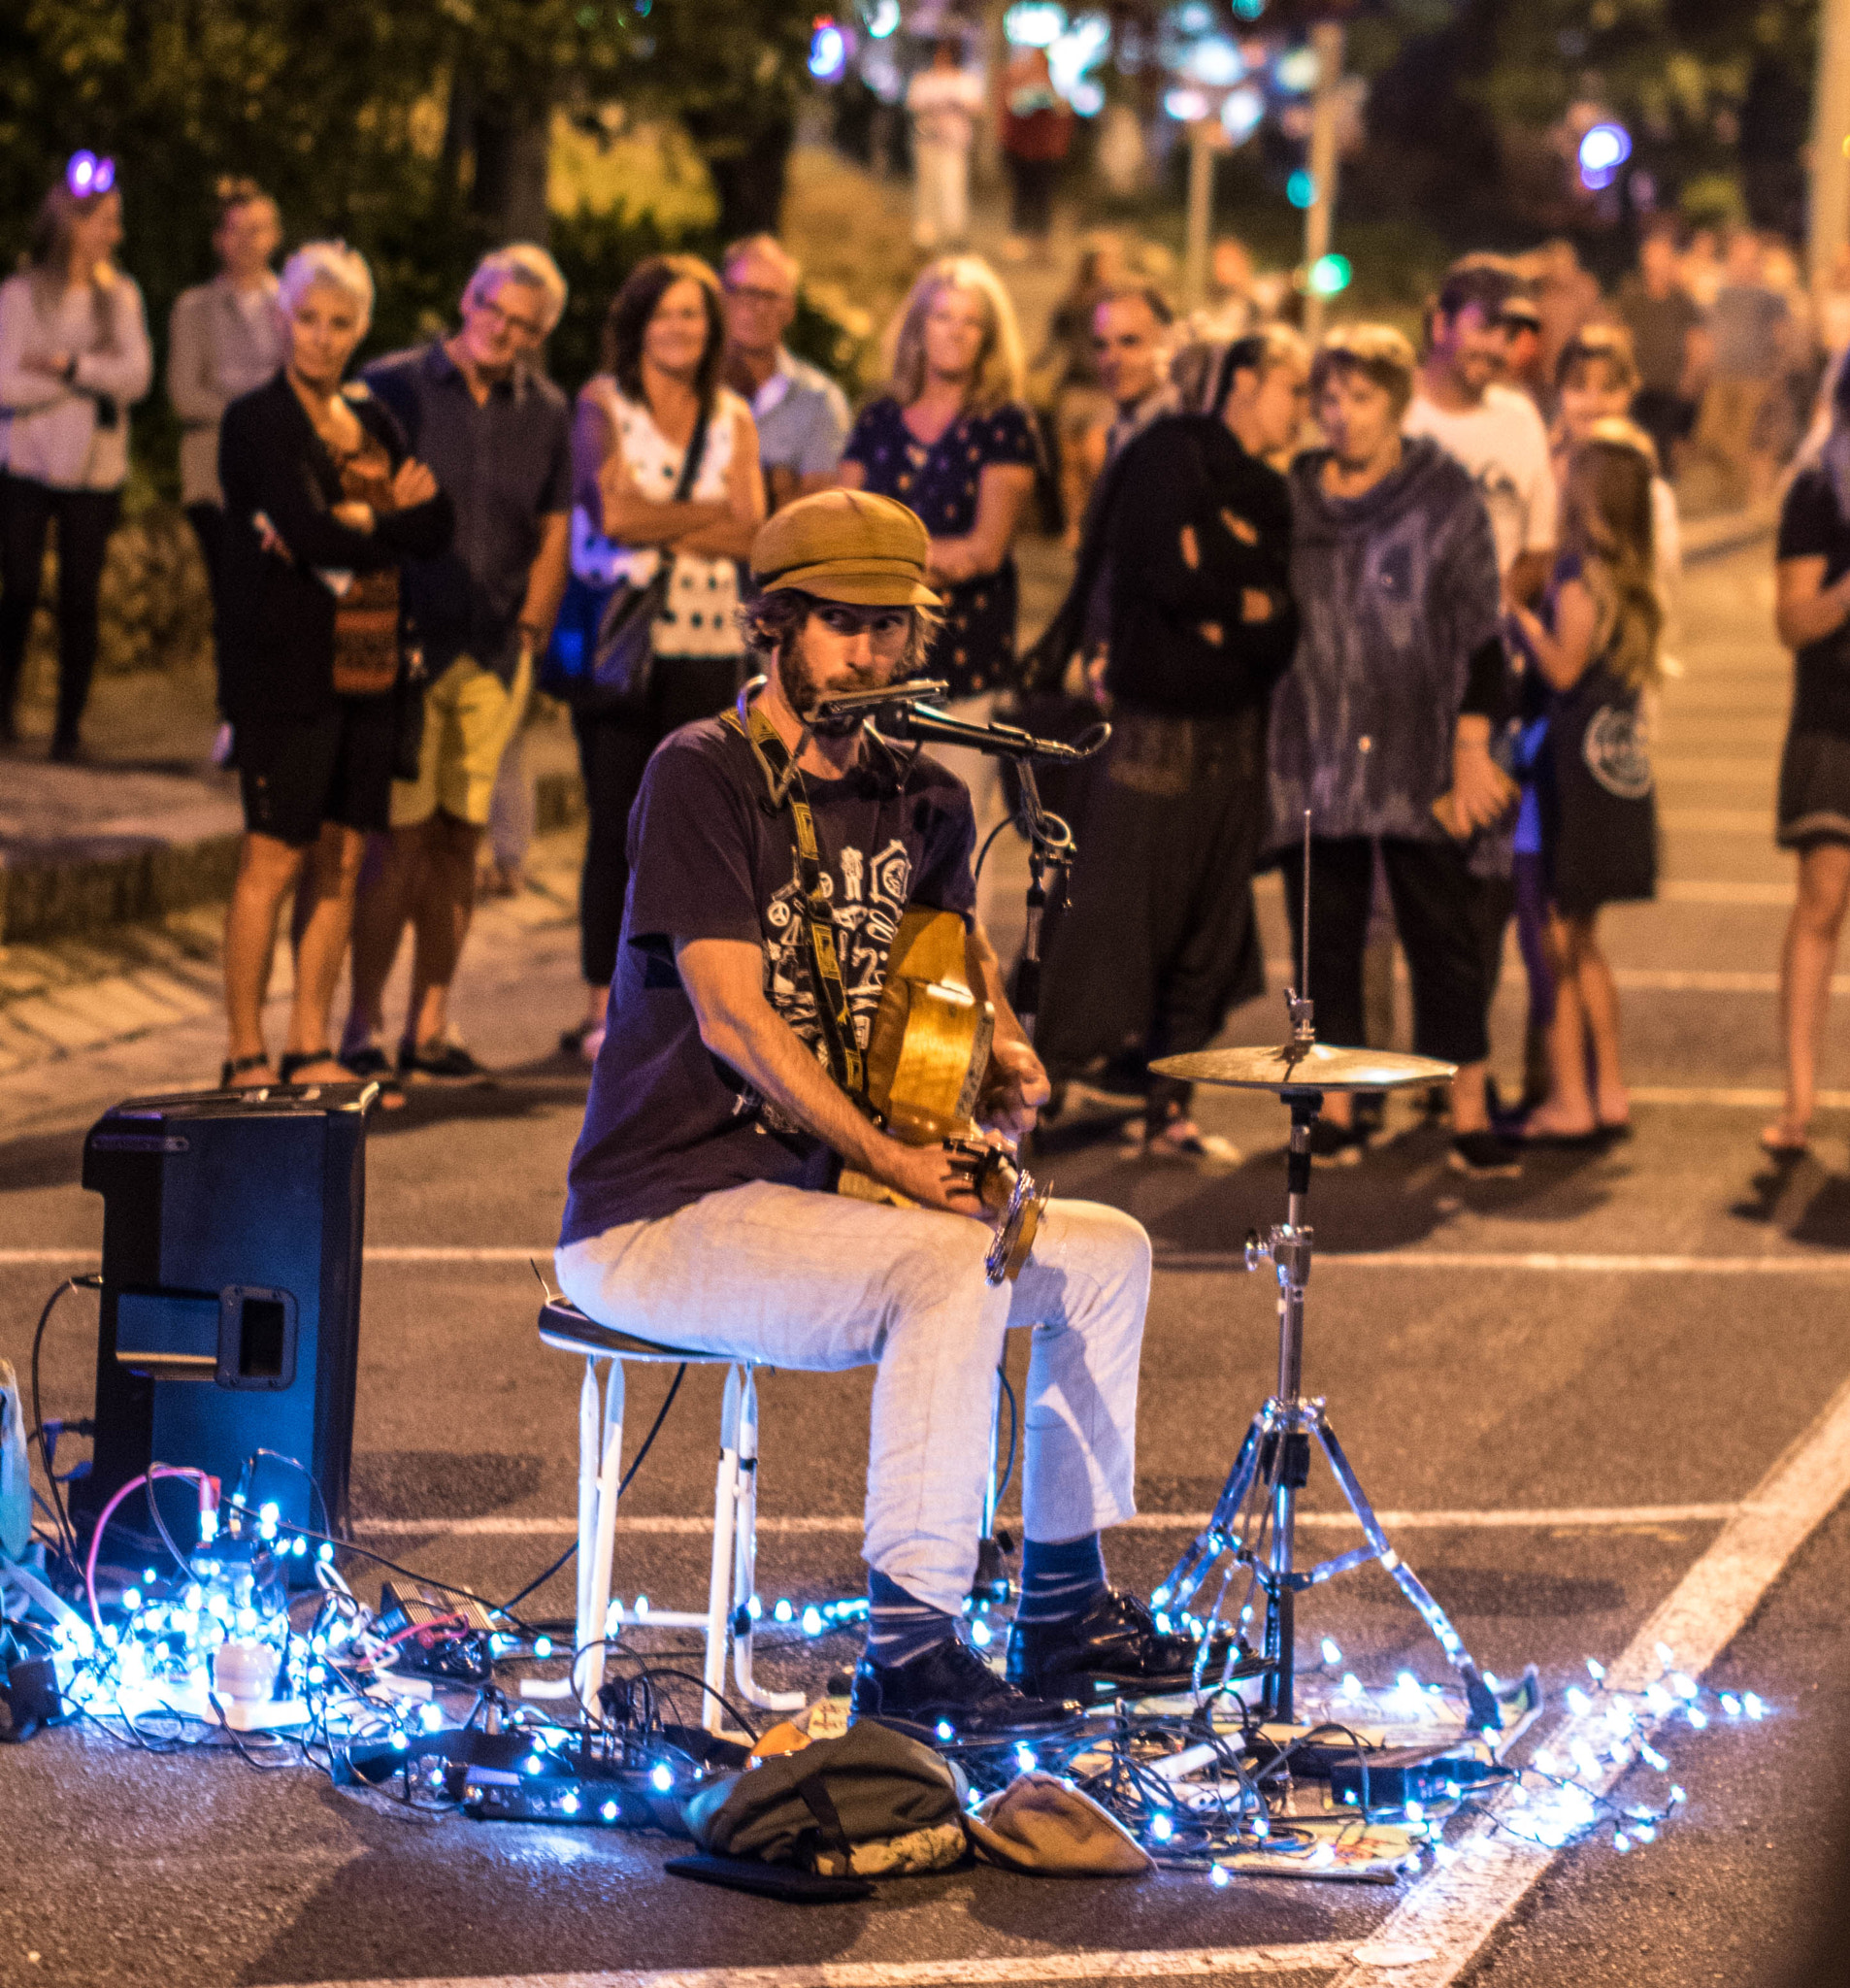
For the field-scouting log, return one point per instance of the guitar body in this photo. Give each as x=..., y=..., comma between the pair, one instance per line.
x=926, y=1057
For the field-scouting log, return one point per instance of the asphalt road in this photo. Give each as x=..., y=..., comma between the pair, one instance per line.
x=1508, y=1382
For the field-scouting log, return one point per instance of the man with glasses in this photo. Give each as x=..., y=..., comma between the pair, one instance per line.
x=802, y=416
x=497, y=433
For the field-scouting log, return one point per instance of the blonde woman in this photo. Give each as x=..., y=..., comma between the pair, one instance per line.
x=953, y=439
x=1597, y=646
x=74, y=355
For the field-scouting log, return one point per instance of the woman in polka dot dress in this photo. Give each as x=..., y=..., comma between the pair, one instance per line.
x=953, y=439
x=663, y=343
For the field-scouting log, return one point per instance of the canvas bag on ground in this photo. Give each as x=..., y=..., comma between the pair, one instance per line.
x=871, y=1802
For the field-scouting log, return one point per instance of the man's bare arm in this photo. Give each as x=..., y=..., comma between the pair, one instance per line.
x=724, y=980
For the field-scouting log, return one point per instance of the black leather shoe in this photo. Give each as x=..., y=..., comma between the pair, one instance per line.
x=1114, y=1649
x=949, y=1694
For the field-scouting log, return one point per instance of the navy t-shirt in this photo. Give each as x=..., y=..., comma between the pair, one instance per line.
x=1812, y=526
x=667, y=1121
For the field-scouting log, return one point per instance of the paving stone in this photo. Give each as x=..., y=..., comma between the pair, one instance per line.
x=61, y=1026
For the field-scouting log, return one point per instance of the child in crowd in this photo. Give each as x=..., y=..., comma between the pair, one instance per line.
x=1596, y=646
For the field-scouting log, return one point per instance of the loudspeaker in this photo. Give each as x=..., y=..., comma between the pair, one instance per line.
x=232, y=1232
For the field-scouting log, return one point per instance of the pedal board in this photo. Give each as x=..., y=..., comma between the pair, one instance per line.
x=444, y=1637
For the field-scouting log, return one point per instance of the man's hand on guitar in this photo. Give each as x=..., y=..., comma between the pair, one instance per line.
x=932, y=1177
x=1014, y=1090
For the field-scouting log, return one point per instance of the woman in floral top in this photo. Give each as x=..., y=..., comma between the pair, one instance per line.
x=955, y=443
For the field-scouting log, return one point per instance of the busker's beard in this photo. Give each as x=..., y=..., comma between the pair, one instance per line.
x=803, y=691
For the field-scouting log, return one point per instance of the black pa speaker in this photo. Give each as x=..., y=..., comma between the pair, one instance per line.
x=232, y=1230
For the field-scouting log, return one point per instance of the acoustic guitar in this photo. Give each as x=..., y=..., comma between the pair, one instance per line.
x=926, y=1062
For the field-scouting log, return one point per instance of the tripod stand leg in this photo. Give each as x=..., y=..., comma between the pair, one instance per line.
x=1178, y=1587
x=1477, y=1694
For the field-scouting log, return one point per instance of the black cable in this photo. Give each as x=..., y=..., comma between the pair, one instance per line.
x=656, y=1429
x=1014, y=1430
x=976, y=874
x=315, y=1483
x=67, y=1536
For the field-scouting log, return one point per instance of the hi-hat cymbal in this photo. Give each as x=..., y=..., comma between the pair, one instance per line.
x=1306, y=1067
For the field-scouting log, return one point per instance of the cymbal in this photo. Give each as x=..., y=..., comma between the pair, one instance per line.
x=1312, y=1067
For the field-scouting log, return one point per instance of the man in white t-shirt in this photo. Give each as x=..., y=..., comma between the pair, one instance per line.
x=944, y=101
x=1497, y=432
x=1492, y=429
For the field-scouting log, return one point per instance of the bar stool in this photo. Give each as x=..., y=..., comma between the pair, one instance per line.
x=732, y=1580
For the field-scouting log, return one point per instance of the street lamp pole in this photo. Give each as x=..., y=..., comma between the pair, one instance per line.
x=1203, y=135
x=1829, y=221
x=1326, y=42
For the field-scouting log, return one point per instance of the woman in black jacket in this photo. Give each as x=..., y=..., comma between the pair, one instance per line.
x=320, y=490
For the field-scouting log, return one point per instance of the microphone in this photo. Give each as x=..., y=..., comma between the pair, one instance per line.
x=856, y=704
x=1001, y=741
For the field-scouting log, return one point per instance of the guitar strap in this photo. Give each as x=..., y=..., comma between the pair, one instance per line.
x=846, y=1064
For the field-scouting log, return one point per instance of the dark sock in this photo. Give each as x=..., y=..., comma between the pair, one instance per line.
x=1059, y=1582
x=900, y=1627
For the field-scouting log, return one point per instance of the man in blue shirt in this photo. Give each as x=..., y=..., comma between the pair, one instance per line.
x=498, y=435
x=801, y=416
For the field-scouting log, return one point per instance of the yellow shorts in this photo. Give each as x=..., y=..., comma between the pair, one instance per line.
x=470, y=716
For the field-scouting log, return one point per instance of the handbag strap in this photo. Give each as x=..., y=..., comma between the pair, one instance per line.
x=696, y=451
x=813, y=1792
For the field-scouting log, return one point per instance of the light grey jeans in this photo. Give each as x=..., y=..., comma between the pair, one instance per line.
x=819, y=1283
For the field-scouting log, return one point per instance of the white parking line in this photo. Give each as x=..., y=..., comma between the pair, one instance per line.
x=1544, y=1261
x=1444, y=1921
x=1568, y=1517
x=1176, y=1963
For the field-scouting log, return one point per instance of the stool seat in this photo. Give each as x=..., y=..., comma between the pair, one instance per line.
x=564, y=1327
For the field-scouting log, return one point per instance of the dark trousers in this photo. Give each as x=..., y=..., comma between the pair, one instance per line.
x=1159, y=940
x=1434, y=897
x=1667, y=417
x=208, y=521
x=614, y=749
x=85, y=520
x=1031, y=184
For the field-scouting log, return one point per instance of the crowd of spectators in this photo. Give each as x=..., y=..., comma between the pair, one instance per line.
x=1418, y=592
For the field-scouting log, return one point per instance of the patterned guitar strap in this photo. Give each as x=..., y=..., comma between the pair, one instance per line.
x=846, y=1064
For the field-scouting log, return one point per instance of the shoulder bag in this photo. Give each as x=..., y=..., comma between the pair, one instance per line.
x=602, y=656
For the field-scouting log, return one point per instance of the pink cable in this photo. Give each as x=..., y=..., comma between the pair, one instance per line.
x=207, y=1501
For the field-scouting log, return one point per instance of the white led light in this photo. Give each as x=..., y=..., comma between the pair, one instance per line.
x=531, y=1765
x=1677, y=1796
x=1025, y=1757
x=946, y=1730
x=399, y=1743
x=661, y=1777
x=1217, y=1878
x=1416, y=1811
x=608, y=1811
x=1162, y=1828
x=131, y=1598
x=1578, y=1703
x=642, y=1605
x=1351, y=1685
x=542, y=1646
x=431, y=1717
x=1730, y=1705
x=812, y=1621
x=1596, y=1670
x=1262, y=1828
x=1666, y=1655
x=1653, y=1758
x=569, y=1802
x=1697, y=1717
x=1754, y=1705
x=1685, y=1686
x=783, y=1612
x=324, y=1553
x=1332, y=1656
x=1490, y=1681
x=1621, y=1842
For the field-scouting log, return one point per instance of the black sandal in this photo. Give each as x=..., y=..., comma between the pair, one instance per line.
x=391, y=1093
x=235, y=1067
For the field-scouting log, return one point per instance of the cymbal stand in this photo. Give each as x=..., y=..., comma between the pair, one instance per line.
x=1253, y=1524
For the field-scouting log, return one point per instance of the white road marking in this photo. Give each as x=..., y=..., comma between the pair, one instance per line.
x=1547, y=1262
x=1696, y=890
x=1718, y=820
x=1569, y=1517
x=1453, y=1912
x=1158, y=1964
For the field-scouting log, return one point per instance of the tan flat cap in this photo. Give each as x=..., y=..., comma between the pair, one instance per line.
x=846, y=545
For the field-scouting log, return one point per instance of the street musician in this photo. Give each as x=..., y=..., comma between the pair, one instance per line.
x=723, y=1104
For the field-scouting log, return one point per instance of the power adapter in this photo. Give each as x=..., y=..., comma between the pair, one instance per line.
x=1383, y=1783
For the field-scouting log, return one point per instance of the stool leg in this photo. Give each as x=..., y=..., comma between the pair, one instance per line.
x=719, y=1578
x=590, y=1420
x=746, y=1557
x=589, y=1672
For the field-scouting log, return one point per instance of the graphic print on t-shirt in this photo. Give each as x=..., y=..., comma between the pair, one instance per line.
x=866, y=896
